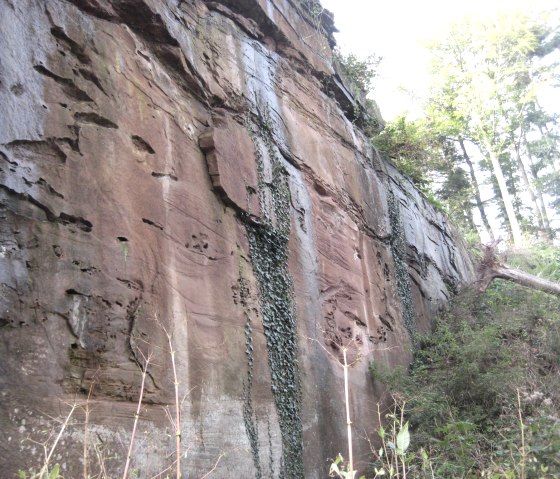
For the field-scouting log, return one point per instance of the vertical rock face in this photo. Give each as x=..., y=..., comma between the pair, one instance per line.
x=193, y=168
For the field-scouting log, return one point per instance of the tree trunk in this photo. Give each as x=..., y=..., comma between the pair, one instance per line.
x=544, y=130
x=508, y=203
x=529, y=185
x=491, y=269
x=476, y=189
x=534, y=175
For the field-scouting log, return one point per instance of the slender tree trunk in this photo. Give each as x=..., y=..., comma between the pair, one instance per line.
x=544, y=212
x=537, y=213
x=544, y=130
x=508, y=203
x=538, y=192
x=476, y=189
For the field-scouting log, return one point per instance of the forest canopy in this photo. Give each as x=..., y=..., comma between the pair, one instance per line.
x=487, y=144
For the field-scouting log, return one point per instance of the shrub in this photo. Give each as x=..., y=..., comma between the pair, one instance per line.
x=361, y=73
x=483, y=391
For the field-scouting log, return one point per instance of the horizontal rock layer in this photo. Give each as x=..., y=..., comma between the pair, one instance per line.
x=192, y=169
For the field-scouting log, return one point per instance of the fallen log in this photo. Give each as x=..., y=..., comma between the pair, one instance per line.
x=490, y=268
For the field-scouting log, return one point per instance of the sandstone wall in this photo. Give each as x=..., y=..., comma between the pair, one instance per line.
x=193, y=168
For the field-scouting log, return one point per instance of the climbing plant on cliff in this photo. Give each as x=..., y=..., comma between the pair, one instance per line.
x=268, y=245
x=359, y=75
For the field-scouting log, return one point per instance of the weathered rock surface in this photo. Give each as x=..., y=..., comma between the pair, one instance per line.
x=192, y=167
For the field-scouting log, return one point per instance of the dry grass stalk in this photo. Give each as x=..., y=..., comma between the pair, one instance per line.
x=48, y=455
x=137, y=415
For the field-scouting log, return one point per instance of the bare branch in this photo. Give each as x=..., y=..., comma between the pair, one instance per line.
x=137, y=414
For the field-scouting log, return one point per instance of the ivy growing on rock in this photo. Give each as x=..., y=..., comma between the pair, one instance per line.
x=249, y=418
x=398, y=251
x=268, y=244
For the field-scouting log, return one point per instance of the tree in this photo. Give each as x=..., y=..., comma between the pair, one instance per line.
x=456, y=190
x=541, y=144
x=485, y=80
x=452, y=125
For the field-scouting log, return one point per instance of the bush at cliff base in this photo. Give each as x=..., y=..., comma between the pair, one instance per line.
x=483, y=392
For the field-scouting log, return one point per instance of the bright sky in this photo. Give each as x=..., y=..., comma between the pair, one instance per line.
x=395, y=29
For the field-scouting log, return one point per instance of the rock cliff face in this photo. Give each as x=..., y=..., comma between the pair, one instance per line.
x=193, y=168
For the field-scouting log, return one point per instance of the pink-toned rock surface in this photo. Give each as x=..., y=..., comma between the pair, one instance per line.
x=260, y=250
x=230, y=156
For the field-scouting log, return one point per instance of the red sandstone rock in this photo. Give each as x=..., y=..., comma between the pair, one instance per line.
x=232, y=165
x=116, y=224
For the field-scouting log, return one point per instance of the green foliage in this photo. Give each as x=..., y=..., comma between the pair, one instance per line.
x=359, y=76
x=486, y=76
x=408, y=145
x=44, y=473
x=417, y=150
x=394, y=458
x=361, y=73
x=434, y=200
x=403, y=440
x=488, y=373
x=340, y=469
x=542, y=259
x=484, y=95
